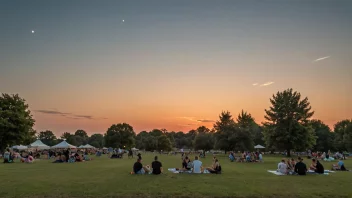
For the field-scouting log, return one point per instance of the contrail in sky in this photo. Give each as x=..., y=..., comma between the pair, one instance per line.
x=322, y=58
x=266, y=84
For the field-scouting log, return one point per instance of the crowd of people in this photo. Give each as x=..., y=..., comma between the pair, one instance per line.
x=285, y=166
x=247, y=157
x=291, y=167
x=188, y=166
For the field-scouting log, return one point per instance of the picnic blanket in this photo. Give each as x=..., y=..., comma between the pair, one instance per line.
x=173, y=170
x=330, y=159
x=326, y=172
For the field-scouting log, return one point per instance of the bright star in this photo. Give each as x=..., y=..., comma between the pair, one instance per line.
x=32, y=31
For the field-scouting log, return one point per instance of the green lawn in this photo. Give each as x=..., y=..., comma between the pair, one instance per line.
x=105, y=177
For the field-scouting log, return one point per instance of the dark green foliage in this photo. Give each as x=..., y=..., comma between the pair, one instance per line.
x=230, y=136
x=120, y=136
x=325, y=137
x=16, y=122
x=343, y=135
x=96, y=140
x=48, y=138
x=286, y=125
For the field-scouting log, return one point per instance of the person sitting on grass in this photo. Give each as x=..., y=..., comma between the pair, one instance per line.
x=282, y=167
x=232, y=157
x=313, y=166
x=260, y=157
x=216, y=168
x=319, y=167
x=340, y=166
x=300, y=167
x=27, y=159
x=197, y=166
x=59, y=158
x=157, y=166
x=139, y=169
x=8, y=158
x=186, y=165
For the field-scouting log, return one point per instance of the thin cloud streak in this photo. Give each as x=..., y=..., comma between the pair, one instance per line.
x=320, y=59
x=267, y=84
x=67, y=115
x=205, y=120
x=255, y=84
x=193, y=119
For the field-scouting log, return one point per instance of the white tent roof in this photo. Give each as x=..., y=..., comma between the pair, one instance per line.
x=63, y=144
x=259, y=147
x=81, y=146
x=88, y=146
x=20, y=147
x=135, y=149
x=39, y=144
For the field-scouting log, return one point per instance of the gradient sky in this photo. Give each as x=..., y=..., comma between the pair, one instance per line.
x=171, y=63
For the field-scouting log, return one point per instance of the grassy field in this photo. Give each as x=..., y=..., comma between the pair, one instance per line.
x=105, y=177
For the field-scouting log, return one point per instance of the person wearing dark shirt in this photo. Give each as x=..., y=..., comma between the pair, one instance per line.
x=300, y=167
x=157, y=166
x=138, y=168
x=139, y=156
x=320, y=168
x=66, y=154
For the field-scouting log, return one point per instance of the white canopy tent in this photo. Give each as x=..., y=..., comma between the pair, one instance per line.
x=87, y=146
x=259, y=147
x=135, y=149
x=81, y=146
x=38, y=144
x=63, y=144
x=20, y=147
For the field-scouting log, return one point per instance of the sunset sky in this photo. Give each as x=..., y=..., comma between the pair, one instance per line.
x=87, y=64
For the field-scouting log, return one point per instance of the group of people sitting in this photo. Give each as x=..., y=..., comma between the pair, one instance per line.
x=189, y=166
x=67, y=156
x=25, y=157
x=247, y=157
x=299, y=168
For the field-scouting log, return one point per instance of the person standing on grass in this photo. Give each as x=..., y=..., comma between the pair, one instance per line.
x=157, y=166
x=197, y=166
x=300, y=167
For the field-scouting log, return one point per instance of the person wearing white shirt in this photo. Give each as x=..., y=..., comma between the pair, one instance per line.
x=282, y=167
x=197, y=166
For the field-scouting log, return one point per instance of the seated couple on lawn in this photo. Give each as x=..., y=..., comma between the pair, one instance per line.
x=155, y=169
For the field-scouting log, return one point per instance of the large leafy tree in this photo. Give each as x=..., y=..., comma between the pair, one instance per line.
x=142, y=140
x=164, y=143
x=204, y=141
x=96, y=140
x=230, y=136
x=66, y=135
x=81, y=133
x=16, y=121
x=246, y=121
x=47, y=137
x=343, y=135
x=325, y=138
x=286, y=125
x=202, y=129
x=120, y=135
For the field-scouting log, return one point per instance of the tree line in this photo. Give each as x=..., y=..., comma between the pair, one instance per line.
x=288, y=126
